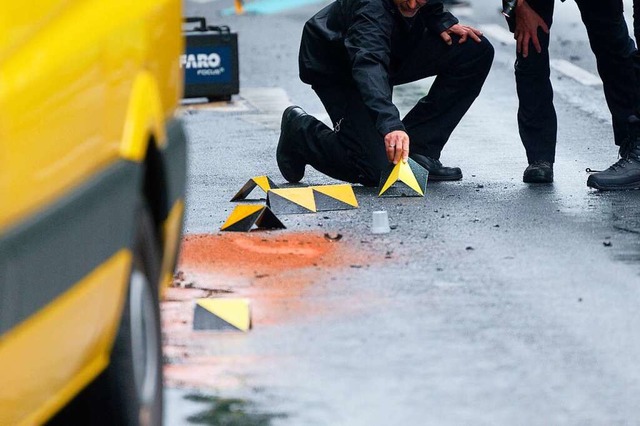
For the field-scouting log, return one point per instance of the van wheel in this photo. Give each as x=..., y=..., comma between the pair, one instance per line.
x=129, y=391
x=134, y=376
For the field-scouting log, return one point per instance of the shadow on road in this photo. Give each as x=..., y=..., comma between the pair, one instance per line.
x=229, y=412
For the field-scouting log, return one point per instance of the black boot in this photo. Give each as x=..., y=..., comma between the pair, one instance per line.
x=625, y=173
x=538, y=172
x=436, y=170
x=290, y=162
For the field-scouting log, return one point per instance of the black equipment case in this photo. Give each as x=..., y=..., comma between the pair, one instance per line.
x=210, y=63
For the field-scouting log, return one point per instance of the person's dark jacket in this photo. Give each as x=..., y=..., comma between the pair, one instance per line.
x=358, y=41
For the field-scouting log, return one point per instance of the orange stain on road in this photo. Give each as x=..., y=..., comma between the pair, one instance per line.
x=242, y=254
x=286, y=276
x=272, y=269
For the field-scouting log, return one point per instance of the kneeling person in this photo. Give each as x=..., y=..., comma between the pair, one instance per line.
x=352, y=54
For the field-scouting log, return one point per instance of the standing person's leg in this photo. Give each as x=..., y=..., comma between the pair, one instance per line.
x=461, y=70
x=615, y=51
x=636, y=34
x=353, y=151
x=537, y=121
x=636, y=21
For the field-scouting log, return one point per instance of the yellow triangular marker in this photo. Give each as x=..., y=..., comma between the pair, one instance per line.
x=393, y=177
x=263, y=183
x=234, y=311
x=406, y=175
x=300, y=196
x=343, y=193
x=240, y=212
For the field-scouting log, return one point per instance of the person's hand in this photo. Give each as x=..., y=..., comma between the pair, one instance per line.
x=527, y=24
x=397, y=146
x=463, y=31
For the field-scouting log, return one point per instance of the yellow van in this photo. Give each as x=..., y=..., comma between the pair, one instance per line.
x=92, y=181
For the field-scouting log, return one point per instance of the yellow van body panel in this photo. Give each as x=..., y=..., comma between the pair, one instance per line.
x=91, y=52
x=62, y=347
x=84, y=86
x=144, y=108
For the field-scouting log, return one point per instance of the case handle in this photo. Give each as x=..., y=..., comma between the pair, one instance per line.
x=197, y=20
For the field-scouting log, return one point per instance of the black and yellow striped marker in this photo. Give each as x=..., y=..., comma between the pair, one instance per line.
x=222, y=314
x=247, y=216
x=312, y=199
x=404, y=180
x=262, y=182
x=334, y=197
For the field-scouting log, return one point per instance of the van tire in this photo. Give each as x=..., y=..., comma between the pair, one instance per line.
x=129, y=391
x=133, y=380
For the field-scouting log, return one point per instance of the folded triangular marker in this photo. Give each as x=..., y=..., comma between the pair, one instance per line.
x=222, y=314
x=291, y=200
x=244, y=217
x=263, y=182
x=343, y=193
x=411, y=174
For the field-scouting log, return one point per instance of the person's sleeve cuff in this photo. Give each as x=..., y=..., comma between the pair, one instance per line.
x=385, y=129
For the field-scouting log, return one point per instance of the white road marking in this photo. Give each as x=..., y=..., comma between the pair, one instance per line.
x=573, y=71
x=462, y=11
x=496, y=32
x=564, y=67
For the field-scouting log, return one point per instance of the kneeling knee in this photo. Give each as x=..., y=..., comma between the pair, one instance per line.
x=487, y=51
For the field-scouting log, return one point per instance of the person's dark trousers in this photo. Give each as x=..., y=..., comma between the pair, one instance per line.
x=537, y=121
x=636, y=32
x=461, y=71
x=354, y=151
x=614, y=51
x=636, y=21
x=636, y=57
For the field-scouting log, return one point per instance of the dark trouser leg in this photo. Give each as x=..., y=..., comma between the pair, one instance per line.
x=636, y=20
x=461, y=70
x=636, y=57
x=537, y=121
x=614, y=50
x=354, y=151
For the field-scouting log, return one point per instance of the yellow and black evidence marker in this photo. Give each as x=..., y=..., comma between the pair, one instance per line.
x=312, y=199
x=246, y=217
x=222, y=314
x=262, y=182
x=404, y=180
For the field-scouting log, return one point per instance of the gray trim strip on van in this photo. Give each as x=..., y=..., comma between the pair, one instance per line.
x=46, y=255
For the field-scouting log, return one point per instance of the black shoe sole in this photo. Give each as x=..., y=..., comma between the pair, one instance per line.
x=538, y=176
x=444, y=178
x=537, y=180
x=628, y=187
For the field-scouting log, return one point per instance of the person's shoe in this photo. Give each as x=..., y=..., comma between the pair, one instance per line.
x=290, y=161
x=624, y=173
x=437, y=171
x=538, y=172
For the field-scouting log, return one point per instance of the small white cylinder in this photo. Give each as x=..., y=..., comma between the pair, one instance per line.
x=380, y=223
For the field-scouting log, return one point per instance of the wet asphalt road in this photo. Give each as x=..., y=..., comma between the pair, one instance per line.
x=491, y=302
